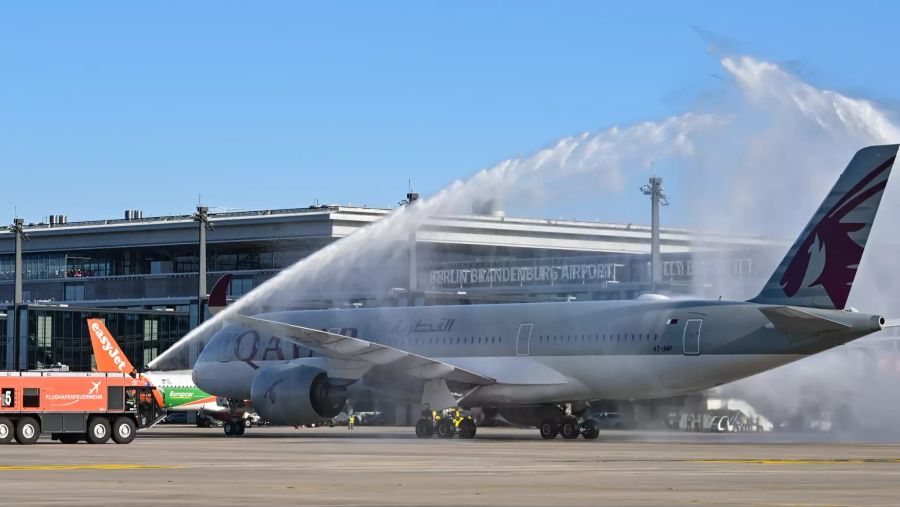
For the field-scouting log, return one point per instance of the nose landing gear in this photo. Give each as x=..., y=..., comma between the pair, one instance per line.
x=234, y=428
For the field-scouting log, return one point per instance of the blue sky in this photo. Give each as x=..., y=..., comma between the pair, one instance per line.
x=109, y=105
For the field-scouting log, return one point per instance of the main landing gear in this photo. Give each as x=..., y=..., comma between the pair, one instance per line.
x=569, y=428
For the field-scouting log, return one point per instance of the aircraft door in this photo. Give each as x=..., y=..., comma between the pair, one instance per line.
x=691, y=342
x=523, y=339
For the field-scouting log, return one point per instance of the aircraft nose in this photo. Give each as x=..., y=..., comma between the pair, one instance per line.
x=215, y=351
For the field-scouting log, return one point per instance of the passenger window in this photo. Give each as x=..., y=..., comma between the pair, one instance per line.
x=31, y=398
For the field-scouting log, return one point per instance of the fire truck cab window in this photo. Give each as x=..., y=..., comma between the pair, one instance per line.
x=130, y=398
x=31, y=397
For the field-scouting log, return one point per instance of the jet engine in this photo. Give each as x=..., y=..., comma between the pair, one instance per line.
x=296, y=395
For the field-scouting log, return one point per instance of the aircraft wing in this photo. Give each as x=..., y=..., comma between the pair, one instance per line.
x=349, y=348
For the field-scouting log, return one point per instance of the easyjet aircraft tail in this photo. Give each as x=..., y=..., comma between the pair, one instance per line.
x=819, y=269
x=107, y=353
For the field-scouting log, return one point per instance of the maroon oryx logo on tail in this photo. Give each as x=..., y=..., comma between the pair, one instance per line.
x=831, y=238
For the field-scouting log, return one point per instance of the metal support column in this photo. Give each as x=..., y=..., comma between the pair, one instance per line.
x=202, y=219
x=657, y=197
x=411, y=198
x=19, y=230
x=413, y=270
x=16, y=354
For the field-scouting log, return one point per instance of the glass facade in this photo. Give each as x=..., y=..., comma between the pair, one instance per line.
x=34, y=266
x=60, y=337
x=3, y=324
x=161, y=260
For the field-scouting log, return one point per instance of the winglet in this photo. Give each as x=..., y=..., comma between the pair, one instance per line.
x=218, y=296
x=107, y=353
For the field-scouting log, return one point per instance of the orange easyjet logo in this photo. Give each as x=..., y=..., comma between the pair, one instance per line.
x=106, y=351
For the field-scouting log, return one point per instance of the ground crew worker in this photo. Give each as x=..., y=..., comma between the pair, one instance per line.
x=350, y=421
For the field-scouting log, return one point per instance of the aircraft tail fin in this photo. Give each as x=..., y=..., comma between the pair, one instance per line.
x=819, y=269
x=107, y=353
x=218, y=296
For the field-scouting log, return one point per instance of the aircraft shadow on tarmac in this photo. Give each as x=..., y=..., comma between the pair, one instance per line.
x=502, y=435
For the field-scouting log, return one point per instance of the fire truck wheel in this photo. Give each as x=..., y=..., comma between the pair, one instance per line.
x=123, y=430
x=6, y=430
x=27, y=431
x=98, y=430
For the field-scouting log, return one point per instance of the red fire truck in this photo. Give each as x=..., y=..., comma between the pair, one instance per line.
x=75, y=406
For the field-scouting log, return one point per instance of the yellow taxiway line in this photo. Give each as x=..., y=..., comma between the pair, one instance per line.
x=105, y=466
x=851, y=461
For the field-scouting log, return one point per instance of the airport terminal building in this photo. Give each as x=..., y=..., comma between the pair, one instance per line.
x=140, y=274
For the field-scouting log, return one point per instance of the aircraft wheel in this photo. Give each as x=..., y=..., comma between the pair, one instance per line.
x=445, y=428
x=98, y=430
x=590, y=430
x=229, y=429
x=203, y=422
x=239, y=429
x=549, y=429
x=569, y=429
x=467, y=429
x=424, y=428
x=27, y=430
x=7, y=430
x=123, y=430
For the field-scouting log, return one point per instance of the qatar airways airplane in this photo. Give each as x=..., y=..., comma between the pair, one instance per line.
x=541, y=364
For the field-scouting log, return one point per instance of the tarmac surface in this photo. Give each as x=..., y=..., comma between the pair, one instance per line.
x=185, y=466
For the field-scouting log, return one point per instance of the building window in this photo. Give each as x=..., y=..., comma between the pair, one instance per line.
x=44, y=331
x=151, y=329
x=74, y=292
x=240, y=286
x=150, y=354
